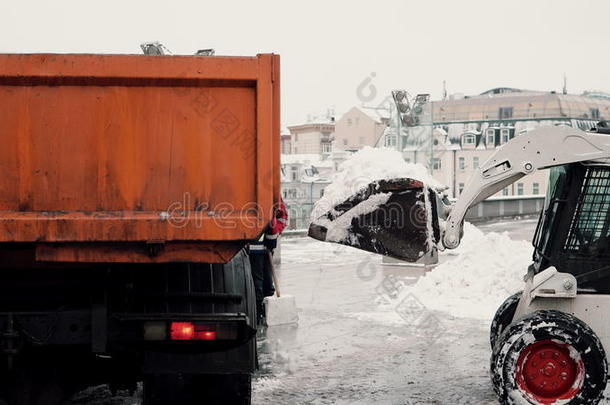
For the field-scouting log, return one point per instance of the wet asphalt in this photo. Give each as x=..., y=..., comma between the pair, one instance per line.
x=337, y=355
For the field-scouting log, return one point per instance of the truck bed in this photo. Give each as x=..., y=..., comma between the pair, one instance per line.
x=130, y=158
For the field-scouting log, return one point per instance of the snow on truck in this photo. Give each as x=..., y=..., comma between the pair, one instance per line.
x=549, y=342
x=129, y=185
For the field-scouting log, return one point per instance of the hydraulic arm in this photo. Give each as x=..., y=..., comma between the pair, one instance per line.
x=540, y=148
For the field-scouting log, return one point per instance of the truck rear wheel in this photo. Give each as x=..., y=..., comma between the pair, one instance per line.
x=37, y=386
x=41, y=377
x=549, y=357
x=209, y=389
x=504, y=316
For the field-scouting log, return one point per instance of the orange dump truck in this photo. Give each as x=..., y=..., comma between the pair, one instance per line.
x=129, y=186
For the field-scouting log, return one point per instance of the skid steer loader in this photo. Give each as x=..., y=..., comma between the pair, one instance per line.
x=549, y=341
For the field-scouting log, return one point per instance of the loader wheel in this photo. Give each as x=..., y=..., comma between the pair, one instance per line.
x=503, y=318
x=549, y=357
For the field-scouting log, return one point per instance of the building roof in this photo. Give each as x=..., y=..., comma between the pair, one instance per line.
x=525, y=104
x=377, y=114
x=313, y=126
x=506, y=90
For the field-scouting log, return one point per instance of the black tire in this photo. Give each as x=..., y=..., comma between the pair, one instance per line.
x=572, y=356
x=38, y=387
x=503, y=317
x=209, y=389
x=38, y=377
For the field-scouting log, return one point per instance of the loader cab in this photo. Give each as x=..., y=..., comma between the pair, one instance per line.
x=573, y=232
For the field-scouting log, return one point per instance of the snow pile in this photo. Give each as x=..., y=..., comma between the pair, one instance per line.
x=337, y=230
x=364, y=167
x=486, y=269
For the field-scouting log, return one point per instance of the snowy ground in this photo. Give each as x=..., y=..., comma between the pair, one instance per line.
x=373, y=333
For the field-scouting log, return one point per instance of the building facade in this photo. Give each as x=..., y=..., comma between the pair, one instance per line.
x=312, y=137
x=454, y=163
x=360, y=127
x=468, y=129
x=304, y=177
x=286, y=144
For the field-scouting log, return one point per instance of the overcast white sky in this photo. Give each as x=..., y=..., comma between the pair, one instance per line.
x=329, y=48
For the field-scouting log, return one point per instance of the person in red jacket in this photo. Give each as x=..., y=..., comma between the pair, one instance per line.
x=260, y=258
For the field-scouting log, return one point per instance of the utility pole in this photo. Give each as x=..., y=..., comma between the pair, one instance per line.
x=398, y=132
x=431, y=138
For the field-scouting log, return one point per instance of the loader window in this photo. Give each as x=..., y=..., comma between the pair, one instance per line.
x=542, y=238
x=589, y=230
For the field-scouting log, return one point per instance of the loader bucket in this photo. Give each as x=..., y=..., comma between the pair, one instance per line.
x=396, y=218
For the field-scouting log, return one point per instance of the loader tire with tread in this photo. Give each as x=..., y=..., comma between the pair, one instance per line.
x=549, y=357
x=503, y=317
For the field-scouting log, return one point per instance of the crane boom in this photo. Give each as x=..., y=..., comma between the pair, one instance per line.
x=541, y=148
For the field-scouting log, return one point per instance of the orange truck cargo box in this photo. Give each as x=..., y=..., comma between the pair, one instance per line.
x=129, y=158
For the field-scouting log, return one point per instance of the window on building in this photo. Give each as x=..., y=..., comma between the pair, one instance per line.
x=296, y=137
x=460, y=188
x=321, y=192
x=594, y=113
x=349, y=121
x=326, y=147
x=436, y=164
x=475, y=162
x=296, y=150
x=519, y=188
x=311, y=171
x=504, y=135
x=390, y=141
x=535, y=188
x=361, y=140
x=505, y=113
x=468, y=140
x=490, y=140
x=505, y=191
x=345, y=142
x=294, y=173
x=462, y=163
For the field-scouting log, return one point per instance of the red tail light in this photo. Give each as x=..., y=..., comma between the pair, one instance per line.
x=183, y=331
x=206, y=335
x=192, y=331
